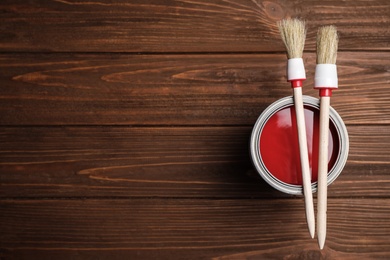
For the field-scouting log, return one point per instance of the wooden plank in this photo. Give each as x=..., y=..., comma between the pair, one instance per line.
x=184, y=26
x=72, y=89
x=148, y=228
x=166, y=162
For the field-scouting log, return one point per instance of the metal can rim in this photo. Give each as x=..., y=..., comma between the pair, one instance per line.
x=255, y=149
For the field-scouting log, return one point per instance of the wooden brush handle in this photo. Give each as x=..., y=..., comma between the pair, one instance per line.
x=323, y=171
x=304, y=155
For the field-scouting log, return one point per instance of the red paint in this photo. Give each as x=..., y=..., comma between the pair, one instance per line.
x=279, y=145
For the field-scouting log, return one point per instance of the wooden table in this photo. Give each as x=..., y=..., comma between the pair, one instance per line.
x=124, y=129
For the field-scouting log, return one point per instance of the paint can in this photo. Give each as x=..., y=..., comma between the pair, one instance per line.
x=274, y=144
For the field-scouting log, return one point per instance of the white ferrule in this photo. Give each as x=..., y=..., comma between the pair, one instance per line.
x=295, y=69
x=326, y=76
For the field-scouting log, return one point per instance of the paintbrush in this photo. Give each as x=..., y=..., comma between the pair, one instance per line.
x=325, y=80
x=293, y=33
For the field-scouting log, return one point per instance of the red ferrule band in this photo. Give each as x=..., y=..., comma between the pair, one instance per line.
x=325, y=92
x=297, y=83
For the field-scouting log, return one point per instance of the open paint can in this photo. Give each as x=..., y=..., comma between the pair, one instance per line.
x=274, y=144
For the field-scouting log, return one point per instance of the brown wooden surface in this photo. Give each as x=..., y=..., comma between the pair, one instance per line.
x=190, y=229
x=96, y=89
x=190, y=162
x=124, y=130
x=184, y=26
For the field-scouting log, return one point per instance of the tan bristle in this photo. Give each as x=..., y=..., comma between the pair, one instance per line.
x=293, y=33
x=327, y=44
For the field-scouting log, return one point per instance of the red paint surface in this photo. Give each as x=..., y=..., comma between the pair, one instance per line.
x=279, y=145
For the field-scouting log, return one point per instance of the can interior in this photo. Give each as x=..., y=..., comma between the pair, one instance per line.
x=278, y=144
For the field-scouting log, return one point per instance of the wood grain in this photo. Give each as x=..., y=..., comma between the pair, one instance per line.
x=124, y=129
x=196, y=229
x=115, y=89
x=165, y=162
x=184, y=26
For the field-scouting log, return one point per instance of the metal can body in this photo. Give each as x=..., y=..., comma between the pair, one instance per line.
x=274, y=147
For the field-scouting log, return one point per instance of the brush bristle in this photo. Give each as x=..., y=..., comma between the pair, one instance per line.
x=327, y=44
x=293, y=33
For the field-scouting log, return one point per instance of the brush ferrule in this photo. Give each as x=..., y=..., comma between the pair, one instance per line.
x=295, y=69
x=325, y=92
x=297, y=83
x=326, y=76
